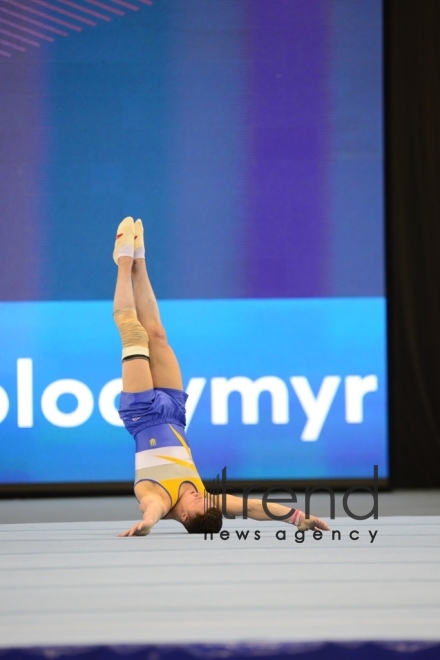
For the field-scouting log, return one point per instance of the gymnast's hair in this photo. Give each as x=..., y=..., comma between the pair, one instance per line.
x=210, y=521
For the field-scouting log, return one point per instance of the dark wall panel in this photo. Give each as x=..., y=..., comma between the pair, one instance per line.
x=413, y=101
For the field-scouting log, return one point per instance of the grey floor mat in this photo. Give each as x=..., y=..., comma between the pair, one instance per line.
x=77, y=583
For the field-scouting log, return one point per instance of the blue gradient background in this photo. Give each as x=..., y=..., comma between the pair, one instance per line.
x=247, y=135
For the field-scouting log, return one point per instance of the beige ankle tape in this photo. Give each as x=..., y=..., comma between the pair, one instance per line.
x=134, y=337
x=130, y=351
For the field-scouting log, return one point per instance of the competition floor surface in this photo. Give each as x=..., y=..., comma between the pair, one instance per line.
x=67, y=584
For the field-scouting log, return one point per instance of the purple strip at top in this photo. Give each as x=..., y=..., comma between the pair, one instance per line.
x=284, y=244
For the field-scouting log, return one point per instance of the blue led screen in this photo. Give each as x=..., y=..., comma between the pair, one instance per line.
x=248, y=136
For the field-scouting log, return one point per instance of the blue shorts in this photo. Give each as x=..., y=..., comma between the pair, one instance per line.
x=161, y=405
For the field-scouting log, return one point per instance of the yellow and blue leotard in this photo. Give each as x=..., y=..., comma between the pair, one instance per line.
x=156, y=420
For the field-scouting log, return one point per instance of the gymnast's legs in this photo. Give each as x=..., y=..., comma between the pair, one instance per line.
x=148, y=360
x=136, y=373
x=164, y=366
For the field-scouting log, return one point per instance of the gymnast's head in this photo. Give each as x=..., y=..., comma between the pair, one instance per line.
x=197, y=516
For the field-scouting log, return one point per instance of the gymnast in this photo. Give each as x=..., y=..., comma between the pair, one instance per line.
x=152, y=407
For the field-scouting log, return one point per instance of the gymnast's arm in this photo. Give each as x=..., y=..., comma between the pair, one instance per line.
x=153, y=510
x=234, y=507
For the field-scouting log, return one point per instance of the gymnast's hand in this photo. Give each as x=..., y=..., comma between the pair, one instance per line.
x=140, y=529
x=153, y=510
x=312, y=523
